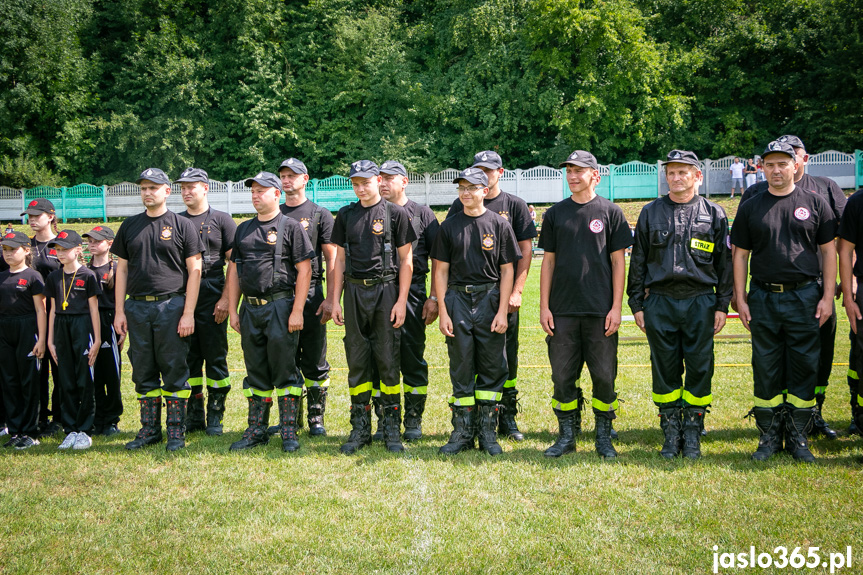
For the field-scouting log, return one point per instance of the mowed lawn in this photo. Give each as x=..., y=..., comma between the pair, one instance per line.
x=205, y=510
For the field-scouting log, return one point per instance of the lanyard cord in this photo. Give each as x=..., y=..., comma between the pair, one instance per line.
x=67, y=293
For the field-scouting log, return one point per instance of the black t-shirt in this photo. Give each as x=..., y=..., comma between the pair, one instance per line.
x=17, y=291
x=426, y=227
x=305, y=215
x=255, y=249
x=216, y=230
x=75, y=289
x=475, y=247
x=784, y=234
x=583, y=237
x=103, y=274
x=512, y=208
x=827, y=188
x=44, y=258
x=364, y=237
x=156, y=249
x=851, y=228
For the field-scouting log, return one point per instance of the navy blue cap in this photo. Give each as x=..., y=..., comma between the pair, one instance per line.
x=66, y=239
x=155, y=175
x=266, y=179
x=682, y=157
x=394, y=168
x=193, y=175
x=793, y=141
x=364, y=169
x=295, y=165
x=580, y=158
x=15, y=239
x=473, y=175
x=777, y=147
x=39, y=206
x=99, y=233
x=488, y=159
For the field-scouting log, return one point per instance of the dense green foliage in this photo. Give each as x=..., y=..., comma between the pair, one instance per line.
x=95, y=90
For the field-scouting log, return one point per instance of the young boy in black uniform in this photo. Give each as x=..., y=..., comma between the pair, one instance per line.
x=584, y=239
x=830, y=191
x=74, y=337
x=209, y=341
x=680, y=285
x=159, y=267
x=312, y=365
x=515, y=211
x=474, y=254
x=851, y=245
x=270, y=263
x=421, y=311
x=106, y=371
x=785, y=230
x=375, y=305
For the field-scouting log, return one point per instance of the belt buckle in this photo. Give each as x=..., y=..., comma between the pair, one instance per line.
x=781, y=288
x=150, y=298
x=469, y=289
x=368, y=282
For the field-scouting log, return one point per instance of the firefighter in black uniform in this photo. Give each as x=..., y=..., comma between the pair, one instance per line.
x=209, y=342
x=421, y=311
x=376, y=283
x=515, y=211
x=312, y=365
x=851, y=272
x=784, y=229
x=680, y=285
x=270, y=263
x=159, y=268
x=830, y=191
x=474, y=256
x=584, y=239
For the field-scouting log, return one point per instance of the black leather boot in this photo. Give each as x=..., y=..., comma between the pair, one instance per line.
x=415, y=405
x=770, y=422
x=487, y=422
x=289, y=406
x=379, y=430
x=361, y=428
x=317, y=408
x=671, y=424
x=461, y=438
x=151, y=423
x=603, y=434
x=259, y=418
x=798, y=422
x=175, y=422
x=693, y=423
x=195, y=413
x=216, y=398
x=819, y=426
x=507, y=410
x=566, y=434
x=393, y=428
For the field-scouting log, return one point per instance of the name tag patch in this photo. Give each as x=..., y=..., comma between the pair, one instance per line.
x=701, y=245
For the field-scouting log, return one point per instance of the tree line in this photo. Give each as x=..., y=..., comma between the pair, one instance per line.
x=96, y=90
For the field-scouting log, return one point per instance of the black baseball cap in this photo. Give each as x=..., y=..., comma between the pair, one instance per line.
x=100, y=233
x=193, y=175
x=266, y=179
x=793, y=141
x=472, y=175
x=488, y=159
x=394, y=168
x=15, y=239
x=155, y=175
x=777, y=147
x=39, y=206
x=66, y=239
x=580, y=158
x=295, y=165
x=364, y=169
x=682, y=157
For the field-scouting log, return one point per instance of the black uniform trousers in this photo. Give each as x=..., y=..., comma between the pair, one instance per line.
x=855, y=357
x=156, y=349
x=19, y=374
x=73, y=336
x=46, y=373
x=415, y=370
x=311, y=360
x=210, y=341
x=108, y=395
x=477, y=356
x=269, y=349
x=371, y=342
x=680, y=331
x=785, y=332
x=510, y=387
x=577, y=340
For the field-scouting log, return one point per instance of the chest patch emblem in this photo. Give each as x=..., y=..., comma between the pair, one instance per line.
x=596, y=226
x=271, y=237
x=22, y=282
x=488, y=242
x=167, y=233
x=801, y=214
x=378, y=227
x=504, y=215
x=305, y=223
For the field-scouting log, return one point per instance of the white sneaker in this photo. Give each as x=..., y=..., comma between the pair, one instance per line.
x=83, y=441
x=69, y=441
x=4, y=431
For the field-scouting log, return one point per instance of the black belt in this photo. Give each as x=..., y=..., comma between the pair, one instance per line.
x=780, y=288
x=154, y=297
x=474, y=288
x=370, y=281
x=270, y=298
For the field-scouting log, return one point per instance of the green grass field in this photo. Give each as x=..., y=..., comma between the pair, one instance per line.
x=205, y=510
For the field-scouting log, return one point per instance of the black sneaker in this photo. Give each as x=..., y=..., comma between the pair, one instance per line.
x=50, y=429
x=13, y=441
x=110, y=429
x=26, y=442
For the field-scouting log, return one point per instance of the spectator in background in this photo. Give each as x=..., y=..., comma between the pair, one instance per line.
x=750, y=171
x=759, y=170
x=532, y=211
x=737, y=176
